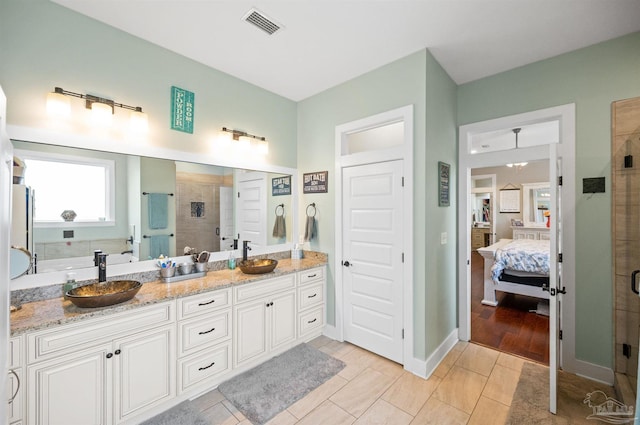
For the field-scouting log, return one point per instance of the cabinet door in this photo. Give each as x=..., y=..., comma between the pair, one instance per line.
x=283, y=319
x=71, y=389
x=144, y=371
x=250, y=331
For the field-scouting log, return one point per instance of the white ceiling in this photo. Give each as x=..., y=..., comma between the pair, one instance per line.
x=327, y=42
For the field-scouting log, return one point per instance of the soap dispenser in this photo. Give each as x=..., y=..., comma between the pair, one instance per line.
x=232, y=260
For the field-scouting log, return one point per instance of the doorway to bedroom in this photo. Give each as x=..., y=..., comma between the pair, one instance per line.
x=514, y=323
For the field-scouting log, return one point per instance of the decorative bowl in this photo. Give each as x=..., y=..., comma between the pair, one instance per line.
x=258, y=266
x=68, y=215
x=103, y=294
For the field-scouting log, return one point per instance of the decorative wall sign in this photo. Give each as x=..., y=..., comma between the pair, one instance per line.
x=315, y=182
x=509, y=200
x=182, y=109
x=444, y=191
x=281, y=186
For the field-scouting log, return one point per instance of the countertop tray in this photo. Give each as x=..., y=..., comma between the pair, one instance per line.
x=180, y=277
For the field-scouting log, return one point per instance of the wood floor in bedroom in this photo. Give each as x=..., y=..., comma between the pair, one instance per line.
x=510, y=327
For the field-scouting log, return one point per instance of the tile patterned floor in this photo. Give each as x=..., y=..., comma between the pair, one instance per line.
x=473, y=385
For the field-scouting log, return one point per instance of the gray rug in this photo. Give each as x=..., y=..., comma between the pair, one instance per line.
x=268, y=389
x=182, y=414
x=530, y=404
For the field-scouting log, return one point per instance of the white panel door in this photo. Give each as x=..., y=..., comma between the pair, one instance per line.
x=226, y=218
x=252, y=208
x=372, y=256
x=555, y=275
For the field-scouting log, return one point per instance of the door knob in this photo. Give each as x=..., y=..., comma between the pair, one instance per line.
x=346, y=263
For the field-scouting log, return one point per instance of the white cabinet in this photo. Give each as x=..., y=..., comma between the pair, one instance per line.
x=16, y=380
x=311, y=285
x=204, y=339
x=102, y=380
x=264, y=318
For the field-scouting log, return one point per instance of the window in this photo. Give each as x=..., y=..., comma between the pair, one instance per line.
x=64, y=182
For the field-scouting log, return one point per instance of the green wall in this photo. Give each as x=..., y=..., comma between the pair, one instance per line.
x=45, y=45
x=415, y=80
x=591, y=78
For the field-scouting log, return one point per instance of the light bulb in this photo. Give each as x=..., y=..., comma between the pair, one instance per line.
x=101, y=114
x=58, y=105
x=138, y=122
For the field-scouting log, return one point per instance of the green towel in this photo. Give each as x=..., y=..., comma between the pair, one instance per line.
x=159, y=246
x=158, y=210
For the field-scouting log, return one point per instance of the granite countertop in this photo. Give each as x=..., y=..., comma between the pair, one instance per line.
x=44, y=314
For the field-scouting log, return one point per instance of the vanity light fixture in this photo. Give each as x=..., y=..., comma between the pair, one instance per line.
x=102, y=109
x=245, y=140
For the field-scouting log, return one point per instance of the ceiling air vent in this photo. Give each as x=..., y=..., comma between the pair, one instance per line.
x=261, y=21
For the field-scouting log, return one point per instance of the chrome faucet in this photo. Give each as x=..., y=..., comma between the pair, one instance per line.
x=245, y=249
x=102, y=267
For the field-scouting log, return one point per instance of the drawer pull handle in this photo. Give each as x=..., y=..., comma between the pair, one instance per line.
x=311, y=321
x=206, y=367
x=206, y=332
x=312, y=275
x=210, y=302
x=311, y=296
x=13, y=372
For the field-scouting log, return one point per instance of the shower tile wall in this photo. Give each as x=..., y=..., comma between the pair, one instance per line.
x=198, y=210
x=626, y=232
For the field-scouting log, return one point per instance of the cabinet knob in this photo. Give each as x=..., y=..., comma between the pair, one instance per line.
x=109, y=355
x=117, y=352
x=271, y=303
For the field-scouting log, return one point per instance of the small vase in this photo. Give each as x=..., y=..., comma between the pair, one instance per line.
x=548, y=221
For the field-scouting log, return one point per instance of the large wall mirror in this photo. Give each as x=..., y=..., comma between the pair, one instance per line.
x=150, y=207
x=536, y=200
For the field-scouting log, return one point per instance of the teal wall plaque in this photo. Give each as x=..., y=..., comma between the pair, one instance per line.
x=182, y=108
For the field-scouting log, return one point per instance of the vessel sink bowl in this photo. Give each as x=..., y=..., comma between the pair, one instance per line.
x=103, y=294
x=258, y=266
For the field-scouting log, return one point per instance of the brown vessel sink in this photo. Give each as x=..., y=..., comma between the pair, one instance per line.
x=258, y=266
x=103, y=294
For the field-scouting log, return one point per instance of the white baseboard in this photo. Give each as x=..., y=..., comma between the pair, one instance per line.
x=593, y=371
x=331, y=332
x=439, y=354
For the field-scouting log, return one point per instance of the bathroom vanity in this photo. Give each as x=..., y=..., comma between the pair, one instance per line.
x=125, y=363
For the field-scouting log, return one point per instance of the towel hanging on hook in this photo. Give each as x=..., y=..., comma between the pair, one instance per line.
x=310, y=228
x=279, y=227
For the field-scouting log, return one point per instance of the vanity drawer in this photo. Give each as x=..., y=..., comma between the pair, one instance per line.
x=69, y=338
x=203, y=303
x=197, y=368
x=310, y=295
x=310, y=321
x=251, y=291
x=204, y=331
x=311, y=275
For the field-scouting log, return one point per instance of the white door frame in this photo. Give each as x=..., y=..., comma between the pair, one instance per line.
x=566, y=149
x=344, y=159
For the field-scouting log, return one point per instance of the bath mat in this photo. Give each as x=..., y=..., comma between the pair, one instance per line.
x=182, y=414
x=530, y=403
x=268, y=389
